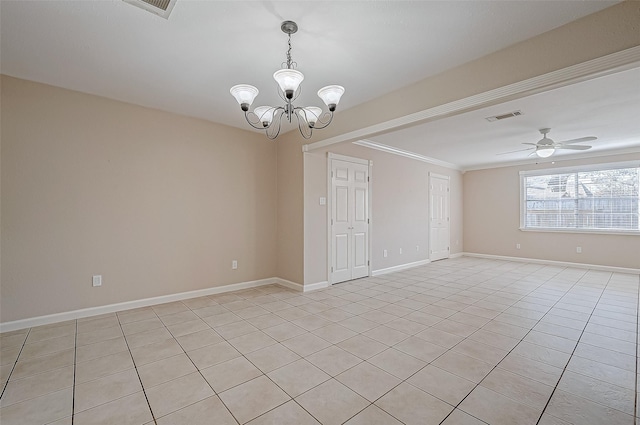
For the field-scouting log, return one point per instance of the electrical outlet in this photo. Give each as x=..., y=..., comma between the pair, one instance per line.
x=517, y=246
x=234, y=264
x=579, y=250
x=417, y=248
x=97, y=280
x=384, y=253
x=400, y=251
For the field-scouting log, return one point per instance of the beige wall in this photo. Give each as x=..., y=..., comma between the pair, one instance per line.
x=399, y=209
x=611, y=30
x=492, y=221
x=290, y=208
x=154, y=202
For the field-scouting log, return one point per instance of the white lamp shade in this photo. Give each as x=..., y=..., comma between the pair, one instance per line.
x=310, y=114
x=544, y=152
x=265, y=114
x=288, y=79
x=331, y=95
x=244, y=93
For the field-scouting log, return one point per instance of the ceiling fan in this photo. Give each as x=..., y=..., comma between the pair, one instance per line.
x=547, y=147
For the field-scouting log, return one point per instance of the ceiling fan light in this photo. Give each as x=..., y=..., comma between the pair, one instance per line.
x=289, y=80
x=264, y=114
x=244, y=94
x=331, y=95
x=310, y=115
x=545, y=152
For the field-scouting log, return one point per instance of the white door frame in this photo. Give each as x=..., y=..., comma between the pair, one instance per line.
x=331, y=156
x=448, y=178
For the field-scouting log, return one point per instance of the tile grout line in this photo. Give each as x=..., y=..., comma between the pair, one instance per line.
x=427, y=363
x=267, y=376
x=574, y=350
x=456, y=407
x=276, y=384
x=447, y=351
x=75, y=358
x=15, y=363
x=197, y=368
x=153, y=417
x=510, y=351
x=635, y=400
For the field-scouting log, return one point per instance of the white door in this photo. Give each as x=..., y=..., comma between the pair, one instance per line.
x=438, y=217
x=349, y=220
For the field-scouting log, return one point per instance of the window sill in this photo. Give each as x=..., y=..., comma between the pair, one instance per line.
x=586, y=231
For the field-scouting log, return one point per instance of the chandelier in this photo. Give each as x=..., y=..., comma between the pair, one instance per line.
x=269, y=118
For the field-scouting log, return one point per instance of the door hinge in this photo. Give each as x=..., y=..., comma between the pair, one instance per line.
x=332, y=222
x=447, y=218
x=368, y=221
x=331, y=174
x=368, y=263
x=331, y=269
x=368, y=178
x=447, y=248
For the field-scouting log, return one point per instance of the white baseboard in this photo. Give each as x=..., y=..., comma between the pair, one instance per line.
x=399, y=267
x=145, y=302
x=316, y=286
x=456, y=255
x=554, y=263
x=289, y=284
x=300, y=287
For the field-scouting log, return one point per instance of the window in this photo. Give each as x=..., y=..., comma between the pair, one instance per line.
x=599, y=199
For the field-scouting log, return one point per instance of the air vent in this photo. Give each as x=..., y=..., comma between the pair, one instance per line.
x=161, y=8
x=504, y=116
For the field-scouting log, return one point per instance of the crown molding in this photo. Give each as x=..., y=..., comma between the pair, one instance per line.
x=407, y=154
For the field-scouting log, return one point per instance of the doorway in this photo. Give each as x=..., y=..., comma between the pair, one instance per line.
x=439, y=220
x=349, y=218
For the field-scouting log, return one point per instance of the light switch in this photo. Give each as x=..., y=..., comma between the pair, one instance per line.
x=323, y=200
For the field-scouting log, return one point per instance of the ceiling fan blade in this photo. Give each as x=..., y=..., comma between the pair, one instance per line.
x=532, y=144
x=581, y=139
x=574, y=147
x=519, y=150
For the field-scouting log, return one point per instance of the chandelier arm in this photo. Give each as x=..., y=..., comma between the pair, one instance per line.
x=257, y=125
x=304, y=129
x=320, y=124
x=256, y=122
x=272, y=131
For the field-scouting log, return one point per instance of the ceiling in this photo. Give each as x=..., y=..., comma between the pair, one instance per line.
x=606, y=107
x=187, y=64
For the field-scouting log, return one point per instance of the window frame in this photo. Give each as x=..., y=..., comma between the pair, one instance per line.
x=567, y=170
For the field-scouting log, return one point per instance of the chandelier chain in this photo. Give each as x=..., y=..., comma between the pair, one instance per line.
x=290, y=63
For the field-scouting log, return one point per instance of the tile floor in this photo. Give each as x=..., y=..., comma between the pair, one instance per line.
x=463, y=341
